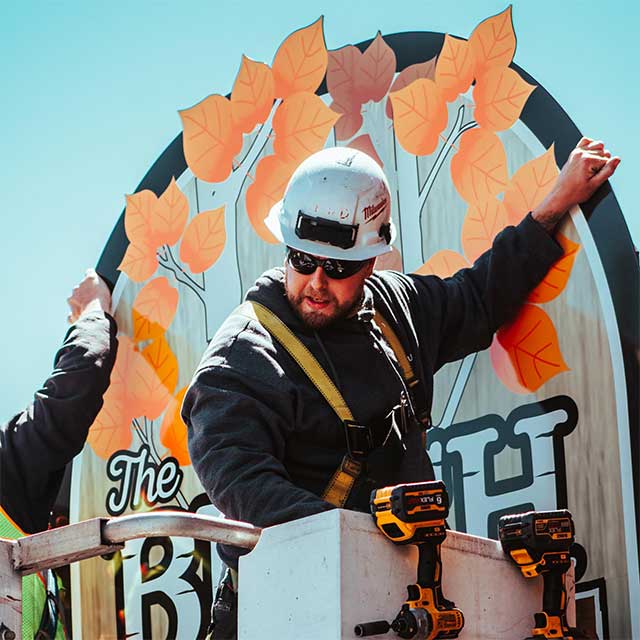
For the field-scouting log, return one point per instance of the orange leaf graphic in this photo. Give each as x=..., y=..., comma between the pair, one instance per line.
x=500, y=96
x=377, y=67
x=170, y=215
x=301, y=124
x=272, y=177
x=530, y=184
x=454, y=71
x=479, y=168
x=210, y=140
x=138, y=214
x=173, y=432
x=408, y=75
x=493, y=42
x=146, y=392
x=481, y=225
x=348, y=124
x=556, y=279
x=203, y=241
x=504, y=369
x=443, y=264
x=532, y=345
x=153, y=309
x=419, y=116
x=342, y=71
x=111, y=430
x=139, y=263
x=252, y=95
x=164, y=362
x=301, y=61
x=365, y=144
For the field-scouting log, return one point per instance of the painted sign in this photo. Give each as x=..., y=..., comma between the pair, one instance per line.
x=546, y=418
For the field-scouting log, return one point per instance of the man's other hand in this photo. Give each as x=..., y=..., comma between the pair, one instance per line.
x=589, y=166
x=91, y=294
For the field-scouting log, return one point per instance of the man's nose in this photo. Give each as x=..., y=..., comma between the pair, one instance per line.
x=319, y=278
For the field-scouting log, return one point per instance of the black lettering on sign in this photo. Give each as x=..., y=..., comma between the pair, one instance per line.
x=140, y=478
x=466, y=456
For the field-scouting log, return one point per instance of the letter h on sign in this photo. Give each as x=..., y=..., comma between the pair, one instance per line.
x=493, y=466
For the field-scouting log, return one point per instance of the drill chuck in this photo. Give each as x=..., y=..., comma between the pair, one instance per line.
x=371, y=628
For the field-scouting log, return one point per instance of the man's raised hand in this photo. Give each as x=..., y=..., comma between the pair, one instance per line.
x=91, y=294
x=588, y=167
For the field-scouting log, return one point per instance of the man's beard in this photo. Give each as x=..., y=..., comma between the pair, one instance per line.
x=317, y=320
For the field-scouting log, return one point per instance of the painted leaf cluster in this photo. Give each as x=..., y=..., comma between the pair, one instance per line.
x=135, y=391
x=301, y=121
x=355, y=78
x=525, y=354
x=144, y=376
x=152, y=223
x=419, y=107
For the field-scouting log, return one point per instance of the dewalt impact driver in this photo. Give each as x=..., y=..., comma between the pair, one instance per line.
x=415, y=514
x=538, y=542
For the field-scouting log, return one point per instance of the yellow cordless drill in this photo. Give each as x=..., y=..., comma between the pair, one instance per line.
x=415, y=514
x=538, y=542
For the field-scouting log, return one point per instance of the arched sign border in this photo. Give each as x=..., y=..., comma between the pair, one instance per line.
x=602, y=212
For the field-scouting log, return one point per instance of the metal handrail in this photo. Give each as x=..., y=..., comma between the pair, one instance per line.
x=100, y=536
x=186, y=525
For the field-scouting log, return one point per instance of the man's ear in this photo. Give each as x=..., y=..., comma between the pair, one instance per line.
x=370, y=267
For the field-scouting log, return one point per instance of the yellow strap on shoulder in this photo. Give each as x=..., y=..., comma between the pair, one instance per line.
x=300, y=354
x=393, y=340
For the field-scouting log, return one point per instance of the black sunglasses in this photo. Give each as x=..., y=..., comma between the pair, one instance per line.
x=306, y=264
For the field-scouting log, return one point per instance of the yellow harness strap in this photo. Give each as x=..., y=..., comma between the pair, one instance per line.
x=342, y=481
x=393, y=340
x=300, y=354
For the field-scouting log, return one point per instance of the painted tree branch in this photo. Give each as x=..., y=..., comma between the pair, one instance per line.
x=453, y=136
x=178, y=273
x=166, y=257
x=455, y=397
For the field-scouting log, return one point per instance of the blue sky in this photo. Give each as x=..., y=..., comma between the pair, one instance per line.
x=91, y=98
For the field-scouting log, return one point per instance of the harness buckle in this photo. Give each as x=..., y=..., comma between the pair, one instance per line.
x=359, y=439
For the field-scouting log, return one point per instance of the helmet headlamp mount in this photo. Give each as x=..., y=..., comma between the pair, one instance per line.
x=330, y=232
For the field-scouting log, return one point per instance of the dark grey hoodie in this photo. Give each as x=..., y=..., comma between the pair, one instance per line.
x=36, y=444
x=263, y=440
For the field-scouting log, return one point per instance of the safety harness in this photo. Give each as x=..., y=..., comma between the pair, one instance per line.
x=358, y=437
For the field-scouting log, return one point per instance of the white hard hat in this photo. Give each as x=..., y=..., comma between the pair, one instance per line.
x=336, y=205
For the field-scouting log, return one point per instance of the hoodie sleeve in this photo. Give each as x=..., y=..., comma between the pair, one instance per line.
x=459, y=315
x=36, y=444
x=239, y=410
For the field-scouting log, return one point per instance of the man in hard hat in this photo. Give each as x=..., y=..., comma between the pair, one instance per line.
x=318, y=389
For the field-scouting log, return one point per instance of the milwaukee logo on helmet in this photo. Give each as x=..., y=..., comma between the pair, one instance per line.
x=373, y=211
